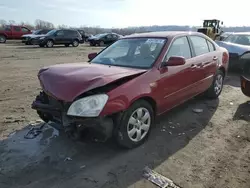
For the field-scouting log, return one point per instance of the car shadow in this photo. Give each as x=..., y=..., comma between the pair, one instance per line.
x=243, y=112
x=52, y=160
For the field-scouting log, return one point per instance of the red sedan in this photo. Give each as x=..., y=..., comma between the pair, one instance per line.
x=122, y=89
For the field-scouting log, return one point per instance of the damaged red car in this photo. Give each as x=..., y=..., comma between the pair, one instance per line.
x=121, y=90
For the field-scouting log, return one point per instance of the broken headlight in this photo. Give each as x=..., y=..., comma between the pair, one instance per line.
x=90, y=106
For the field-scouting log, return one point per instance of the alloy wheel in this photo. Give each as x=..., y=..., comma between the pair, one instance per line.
x=218, y=84
x=139, y=124
x=75, y=43
x=49, y=43
x=2, y=39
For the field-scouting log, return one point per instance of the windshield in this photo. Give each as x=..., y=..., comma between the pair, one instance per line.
x=239, y=39
x=36, y=32
x=99, y=35
x=134, y=53
x=51, y=32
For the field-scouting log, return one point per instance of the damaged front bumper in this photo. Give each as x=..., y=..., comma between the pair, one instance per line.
x=50, y=109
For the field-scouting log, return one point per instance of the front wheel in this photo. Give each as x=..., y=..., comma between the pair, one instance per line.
x=133, y=127
x=215, y=89
x=50, y=44
x=101, y=43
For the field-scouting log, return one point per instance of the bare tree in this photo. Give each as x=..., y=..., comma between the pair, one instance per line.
x=40, y=24
x=2, y=23
x=12, y=22
x=62, y=26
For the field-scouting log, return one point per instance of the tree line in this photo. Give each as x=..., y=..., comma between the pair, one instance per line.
x=42, y=24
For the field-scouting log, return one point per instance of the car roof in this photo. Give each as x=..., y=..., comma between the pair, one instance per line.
x=163, y=34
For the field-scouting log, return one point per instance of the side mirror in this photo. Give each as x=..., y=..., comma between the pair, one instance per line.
x=92, y=55
x=175, y=61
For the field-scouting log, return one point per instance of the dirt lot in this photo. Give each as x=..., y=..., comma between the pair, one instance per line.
x=210, y=149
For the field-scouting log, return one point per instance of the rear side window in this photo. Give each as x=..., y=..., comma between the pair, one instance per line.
x=200, y=45
x=25, y=30
x=109, y=36
x=17, y=28
x=180, y=47
x=210, y=46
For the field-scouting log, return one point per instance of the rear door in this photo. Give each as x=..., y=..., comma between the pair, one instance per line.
x=109, y=39
x=176, y=81
x=68, y=36
x=205, y=60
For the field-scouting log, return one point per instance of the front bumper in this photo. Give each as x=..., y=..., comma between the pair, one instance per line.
x=53, y=110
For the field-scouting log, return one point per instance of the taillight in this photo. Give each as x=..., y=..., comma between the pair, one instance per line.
x=225, y=57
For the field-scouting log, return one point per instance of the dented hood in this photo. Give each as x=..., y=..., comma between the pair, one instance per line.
x=67, y=81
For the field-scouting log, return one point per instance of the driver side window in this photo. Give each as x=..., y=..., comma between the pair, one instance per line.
x=180, y=47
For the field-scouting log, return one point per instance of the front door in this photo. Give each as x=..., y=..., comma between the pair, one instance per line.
x=16, y=32
x=60, y=37
x=175, y=82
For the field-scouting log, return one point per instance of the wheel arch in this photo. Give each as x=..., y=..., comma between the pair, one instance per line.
x=148, y=99
x=222, y=69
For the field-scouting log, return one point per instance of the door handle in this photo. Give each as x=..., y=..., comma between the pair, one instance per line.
x=215, y=58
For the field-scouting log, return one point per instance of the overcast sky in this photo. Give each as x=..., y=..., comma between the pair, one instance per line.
x=123, y=13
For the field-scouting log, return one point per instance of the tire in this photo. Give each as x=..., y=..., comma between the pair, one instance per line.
x=66, y=45
x=50, y=43
x=2, y=39
x=123, y=127
x=215, y=89
x=75, y=43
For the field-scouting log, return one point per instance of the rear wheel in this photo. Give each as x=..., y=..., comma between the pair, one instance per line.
x=101, y=43
x=215, y=89
x=75, y=43
x=2, y=39
x=133, y=127
x=50, y=44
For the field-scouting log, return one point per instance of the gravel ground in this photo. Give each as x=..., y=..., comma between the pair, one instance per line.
x=209, y=149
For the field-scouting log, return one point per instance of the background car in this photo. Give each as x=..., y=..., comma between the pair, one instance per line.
x=84, y=35
x=121, y=90
x=12, y=32
x=103, y=39
x=58, y=37
x=224, y=35
x=238, y=45
x=37, y=33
